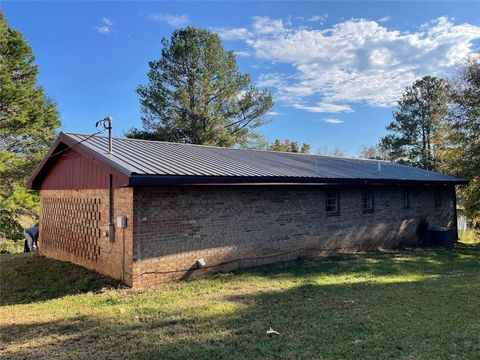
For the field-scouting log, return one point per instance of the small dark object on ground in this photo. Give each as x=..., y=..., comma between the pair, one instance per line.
x=439, y=236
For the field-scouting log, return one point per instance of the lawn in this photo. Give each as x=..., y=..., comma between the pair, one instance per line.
x=409, y=304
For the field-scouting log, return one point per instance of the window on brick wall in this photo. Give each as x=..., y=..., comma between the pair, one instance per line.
x=437, y=198
x=406, y=199
x=332, y=202
x=367, y=201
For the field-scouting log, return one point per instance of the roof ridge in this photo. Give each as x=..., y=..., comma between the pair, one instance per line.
x=231, y=148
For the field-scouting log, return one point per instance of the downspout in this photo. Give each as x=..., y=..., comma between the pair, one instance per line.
x=111, y=225
x=111, y=202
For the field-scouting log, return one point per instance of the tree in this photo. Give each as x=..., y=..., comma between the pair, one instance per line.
x=461, y=155
x=336, y=152
x=28, y=123
x=255, y=141
x=306, y=148
x=289, y=146
x=197, y=95
x=372, y=152
x=418, y=123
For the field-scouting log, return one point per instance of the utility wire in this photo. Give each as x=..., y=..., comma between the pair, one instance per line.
x=101, y=122
x=245, y=259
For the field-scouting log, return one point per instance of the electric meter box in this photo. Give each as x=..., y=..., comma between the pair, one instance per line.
x=121, y=222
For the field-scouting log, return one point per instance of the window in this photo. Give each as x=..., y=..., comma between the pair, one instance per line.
x=332, y=202
x=437, y=198
x=367, y=201
x=406, y=199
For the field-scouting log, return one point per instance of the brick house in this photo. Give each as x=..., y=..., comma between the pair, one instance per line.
x=154, y=211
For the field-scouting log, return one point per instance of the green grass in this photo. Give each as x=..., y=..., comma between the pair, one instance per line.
x=416, y=304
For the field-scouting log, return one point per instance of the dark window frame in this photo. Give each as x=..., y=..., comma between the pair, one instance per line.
x=406, y=196
x=368, y=201
x=336, y=198
x=437, y=198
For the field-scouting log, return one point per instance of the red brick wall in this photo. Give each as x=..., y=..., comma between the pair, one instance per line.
x=243, y=226
x=230, y=227
x=72, y=226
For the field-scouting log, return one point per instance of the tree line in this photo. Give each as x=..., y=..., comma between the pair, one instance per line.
x=436, y=126
x=196, y=94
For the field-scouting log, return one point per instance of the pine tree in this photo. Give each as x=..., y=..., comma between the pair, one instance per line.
x=306, y=148
x=196, y=94
x=28, y=123
x=289, y=146
x=418, y=123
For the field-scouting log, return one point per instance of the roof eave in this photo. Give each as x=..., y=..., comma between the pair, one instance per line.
x=155, y=180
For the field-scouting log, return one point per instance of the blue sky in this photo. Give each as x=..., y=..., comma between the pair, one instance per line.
x=335, y=68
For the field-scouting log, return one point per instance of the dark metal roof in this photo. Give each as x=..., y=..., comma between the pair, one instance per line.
x=155, y=162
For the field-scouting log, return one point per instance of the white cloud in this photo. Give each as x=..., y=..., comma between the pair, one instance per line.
x=106, y=21
x=323, y=107
x=267, y=26
x=241, y=53
x=332, y=121
x=318, y=18
x=233, y=33
x=384, y=19
x=274, y=113
x=290, y=94
x=172, y=20
x=105, y=26
x=354, y=61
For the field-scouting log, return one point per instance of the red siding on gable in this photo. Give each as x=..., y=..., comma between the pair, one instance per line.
x=72, y=170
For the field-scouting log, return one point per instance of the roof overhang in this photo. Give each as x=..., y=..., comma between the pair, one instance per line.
x=64, y=142
x=155, y=180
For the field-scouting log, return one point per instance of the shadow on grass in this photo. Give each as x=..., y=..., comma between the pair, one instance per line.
x=28, y=277
x=359, y=321
x=434, y=315
x=412, y=261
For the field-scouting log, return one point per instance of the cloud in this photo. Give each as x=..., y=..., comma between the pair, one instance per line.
x=233, y=33
x=267, y=26
x=318, y=18
x=105, y=26
x=323, y=107
x=354, y=61
x=241, y=53
x=172, y=20
x=384, y=19
x=332, y=121
x=274, y=113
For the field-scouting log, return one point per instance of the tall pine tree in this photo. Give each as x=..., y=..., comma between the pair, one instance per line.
x=28, y=124
x=196, y=94
x=418, y=123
